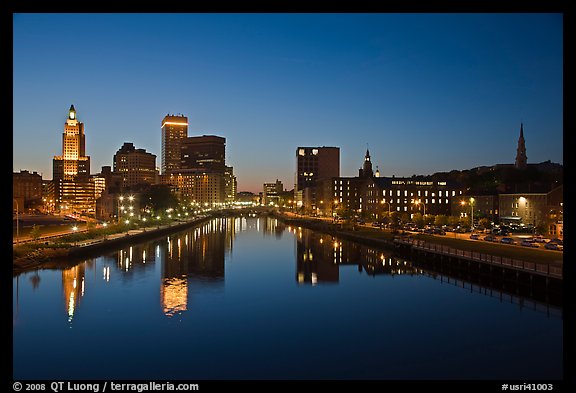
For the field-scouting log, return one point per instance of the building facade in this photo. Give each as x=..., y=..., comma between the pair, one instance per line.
x=26, y=190
x=271, y=193
x=204, y=153
x=314, y=164
x=206, y=189
x=174, y=131
x=135, y=166
x=533, y=208
x=73, y=189
x=230, y=185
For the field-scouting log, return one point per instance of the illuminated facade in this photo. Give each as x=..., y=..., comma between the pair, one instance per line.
x=73, y=188
x=533, y=208
x=204, y=188
x=174, y=131
x=230, y=185
x=135, y=166
x=409, y=195
x=271, y=192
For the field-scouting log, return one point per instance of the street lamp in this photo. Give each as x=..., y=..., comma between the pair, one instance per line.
x=75, y=228
x=423, y=204
x=472, y=214
x=388, y=203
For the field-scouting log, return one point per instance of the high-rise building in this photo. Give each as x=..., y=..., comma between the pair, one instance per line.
x=312, y=164
x=521, y=159
x=73, y=188
x=271, y=192
x=230, y=185
x=136, y=166
x=204, y=153
x=174, y=130
x=205, y=189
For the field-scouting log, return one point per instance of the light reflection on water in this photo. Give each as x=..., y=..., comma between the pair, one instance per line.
x=249, y=298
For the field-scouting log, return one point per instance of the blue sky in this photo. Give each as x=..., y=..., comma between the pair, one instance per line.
x=425, y=92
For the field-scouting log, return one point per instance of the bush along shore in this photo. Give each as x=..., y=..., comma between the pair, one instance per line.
x=55, y=251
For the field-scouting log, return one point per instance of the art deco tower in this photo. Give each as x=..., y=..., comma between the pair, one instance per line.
x=73, y=163
x=521, y=159
x=71, y=185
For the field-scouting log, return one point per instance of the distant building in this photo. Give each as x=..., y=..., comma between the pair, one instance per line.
x=204, y=153
x=135, y=166
x=409, y=195
x=533, y=208
x=73, y=190
x=174, y=131
x=206, y=189
x=313, y=164
x=247, y=197
x=230, y=185
x=271, y=193
x=26, y=189
x=374, y=196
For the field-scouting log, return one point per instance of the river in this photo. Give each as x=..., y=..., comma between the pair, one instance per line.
x=251, y=298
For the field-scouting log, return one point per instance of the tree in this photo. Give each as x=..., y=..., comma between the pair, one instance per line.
x=454, y=220
x=440, y=220
x=159, y=197
x=35, y=232
x=418, y=219
x=484, y=223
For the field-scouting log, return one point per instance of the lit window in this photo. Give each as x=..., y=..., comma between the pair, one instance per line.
x=301, y=152
x=315, y=151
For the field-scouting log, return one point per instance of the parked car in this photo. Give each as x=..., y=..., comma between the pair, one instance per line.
x=438, y=231
x=557, y=241
x=474, y=236
x=528, y=243
x=490, y=238
x=540, y=239
x=507, y=240
x=554, y=246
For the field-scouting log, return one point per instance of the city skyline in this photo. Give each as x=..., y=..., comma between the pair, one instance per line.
x=424, y=92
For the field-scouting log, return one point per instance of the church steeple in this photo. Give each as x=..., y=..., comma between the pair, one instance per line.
x=521, y=159
x=366, y=170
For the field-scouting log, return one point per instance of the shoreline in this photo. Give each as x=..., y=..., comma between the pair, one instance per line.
x=49, y=257
x=385, y=239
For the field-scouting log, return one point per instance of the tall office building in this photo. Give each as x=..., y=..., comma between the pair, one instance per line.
x=313, y=164
x=73, y=188
x=136, y=166
x=230, y=185
x=203, y=153
x=73, y=164
x=174, y=130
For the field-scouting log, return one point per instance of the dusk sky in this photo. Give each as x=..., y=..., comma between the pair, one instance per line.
x=425, y=92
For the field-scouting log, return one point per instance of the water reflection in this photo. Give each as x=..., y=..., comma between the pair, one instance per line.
x=194, y=261
x=173, y=286
x=319, y=257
